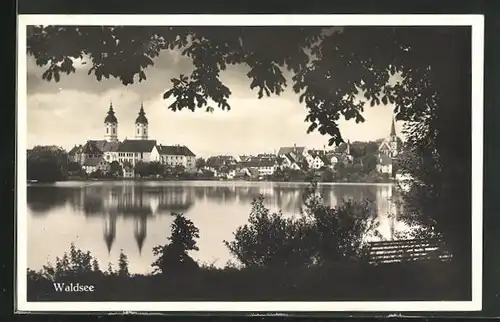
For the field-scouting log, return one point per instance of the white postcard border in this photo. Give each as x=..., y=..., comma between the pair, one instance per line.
x=477, y=23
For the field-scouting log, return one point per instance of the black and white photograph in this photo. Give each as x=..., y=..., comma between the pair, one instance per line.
x=249, y=163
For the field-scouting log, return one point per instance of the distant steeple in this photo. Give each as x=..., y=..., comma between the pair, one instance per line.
x=393, y=128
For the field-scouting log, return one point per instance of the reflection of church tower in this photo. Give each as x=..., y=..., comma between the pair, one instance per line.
x=111, y=125
x=110, y=231
x=140, y=227
x=392, y=212
x=141, y=125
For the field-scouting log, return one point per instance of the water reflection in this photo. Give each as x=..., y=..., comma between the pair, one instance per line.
x=216, y=208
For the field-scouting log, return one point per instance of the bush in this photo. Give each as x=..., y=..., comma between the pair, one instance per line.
x=77, y=264
x=320, y=235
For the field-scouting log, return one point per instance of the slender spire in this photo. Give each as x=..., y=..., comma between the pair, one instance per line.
x=393, y=128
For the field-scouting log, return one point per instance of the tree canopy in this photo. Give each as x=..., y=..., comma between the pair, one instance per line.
x=423, y=72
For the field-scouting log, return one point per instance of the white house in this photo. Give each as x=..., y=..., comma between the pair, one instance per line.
x=317, y=162
x=135, y=151
x=384, y=164
x=93, y=164
x=263, y=167
x=289, y=160
x=174, y=155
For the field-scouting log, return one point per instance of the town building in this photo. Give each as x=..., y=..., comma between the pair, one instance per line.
x=392, y=145
x=389, y=150
x=95, y=164
x=384, y=164
x=298, y=152
x=289, y=160
x=262, y=167
x=174, y=155
x=134, y=151
x=76, y=154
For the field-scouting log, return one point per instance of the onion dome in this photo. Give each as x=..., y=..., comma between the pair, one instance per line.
x=141, y=119
x=111, y=118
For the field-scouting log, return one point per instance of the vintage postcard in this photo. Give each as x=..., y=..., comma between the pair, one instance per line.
x=271, y=163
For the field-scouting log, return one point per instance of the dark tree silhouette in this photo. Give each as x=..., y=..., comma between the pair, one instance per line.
x=115, y=169
x=200, y=163
x=173, y=257
x=123, y=265
x=47, y=163
x=423, y=72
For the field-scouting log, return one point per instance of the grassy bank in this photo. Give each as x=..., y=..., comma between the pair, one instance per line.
x=340, y=282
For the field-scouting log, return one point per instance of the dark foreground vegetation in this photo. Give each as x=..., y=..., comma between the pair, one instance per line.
x=319, y=256
x=342, y=282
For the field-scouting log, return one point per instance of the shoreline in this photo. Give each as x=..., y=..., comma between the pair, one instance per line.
x=146, y=180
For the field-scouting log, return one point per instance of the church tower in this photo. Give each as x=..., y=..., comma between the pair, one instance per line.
x=111, y=126
x=141, y=125
x=394, y=143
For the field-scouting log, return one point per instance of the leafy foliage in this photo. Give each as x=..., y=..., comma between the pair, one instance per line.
x=174, y=255
x=47, y=163
x=200, y=163
x=321, y=235
x=78, y=264
x=115, y=169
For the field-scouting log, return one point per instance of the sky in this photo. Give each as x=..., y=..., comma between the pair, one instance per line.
x=72, y=111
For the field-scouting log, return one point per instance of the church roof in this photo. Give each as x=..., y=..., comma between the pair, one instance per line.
x=174, y=150
x=111, y=118
x=91, y=148
x=106, y=146
x=141, y=119
x=92, y=162
x=293, y=149
x=75, y=149
x=136, y=146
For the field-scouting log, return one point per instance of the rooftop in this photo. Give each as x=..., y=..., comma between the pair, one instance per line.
x=136, y=146
x=174, y=150
x=293, y=149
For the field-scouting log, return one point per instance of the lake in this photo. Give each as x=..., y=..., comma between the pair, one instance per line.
x=134, y=216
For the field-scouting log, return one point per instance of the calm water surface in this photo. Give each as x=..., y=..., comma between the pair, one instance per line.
x=105, y=217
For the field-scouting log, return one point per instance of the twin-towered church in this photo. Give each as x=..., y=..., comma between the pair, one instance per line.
x=111, y=125
x=98, y=154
